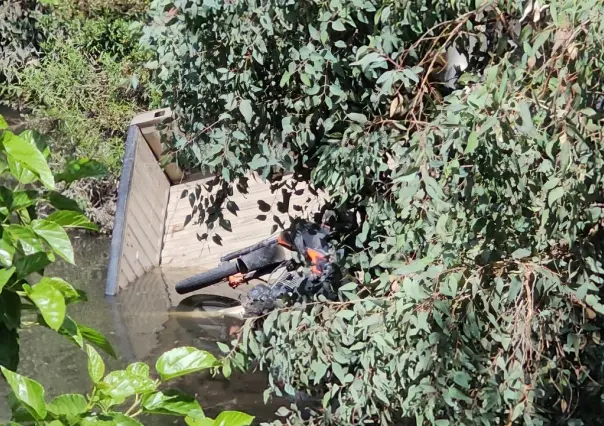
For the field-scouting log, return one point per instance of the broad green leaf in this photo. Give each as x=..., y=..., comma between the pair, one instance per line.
x=10, y=310
x=61, y=202
x=72, y=219
x=199, y=421
x=96, y=365
x=28, y=391
x=233, y=418
x=7, y=251
x=472, y=143
x=32, y=263
x=70, y=329
x=138, y=369
x=49, y=301
x=3, y=123
x=68, y=405
x=34, y=138
x=182, y=361
x=69, y=293
x=5, y=275
x=554, y=195
x=121, y=384
x=25, y=238
x=245, y=107
x=81, y=169
x=29, y=157
x=55, y=236
x=171, y=402
x=9, y=349
x=97, y=339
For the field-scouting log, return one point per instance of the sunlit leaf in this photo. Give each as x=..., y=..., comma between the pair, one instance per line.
x=28, y=391
x=182, y=361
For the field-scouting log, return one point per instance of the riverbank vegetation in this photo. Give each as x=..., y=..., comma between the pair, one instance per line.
x=28, y=298
x=75, y=71
x=467, y=137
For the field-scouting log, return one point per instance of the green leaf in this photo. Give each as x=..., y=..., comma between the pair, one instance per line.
x=81, y=169
x=245, y=107
x=49, y=301
x=96, y=365
x=359, y=118
x=554, y=195
x=7, y=251
x=25, y=238
x=377, y=259
x=138, y=369
x=284, y=79
x=68, y=405
x=32, y=263
x=29, y=157
x=55, y=236
x=338, y=25
x=171, y=402
x=10, y=310
x=233, y=418
x=3, y=123
x=70, y=329
x=61, y=202
x=199, y=421
x=72, y=219
x=472, y=143
x=28, y=391
x=305, y=79
x=521, y=253
x=9, y=349
x=97, y=339
x=5, y=275
x=121, y=384
x=182, y=361
x=462, y=379
x=70, y=294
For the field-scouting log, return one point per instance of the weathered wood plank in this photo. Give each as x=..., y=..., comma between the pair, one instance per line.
x=251, y=223
x=143, y=202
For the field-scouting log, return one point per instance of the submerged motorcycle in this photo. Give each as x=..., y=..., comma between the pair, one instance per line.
x=310, y=270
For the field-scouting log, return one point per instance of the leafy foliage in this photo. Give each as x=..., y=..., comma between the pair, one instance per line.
x=83, y=83
x=109, y=391
x=28, y=244
x=467, y=139
x=19, y=40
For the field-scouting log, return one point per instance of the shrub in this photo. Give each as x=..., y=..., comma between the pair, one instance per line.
x=87, y=83
x=478, y=181
x=18, y=37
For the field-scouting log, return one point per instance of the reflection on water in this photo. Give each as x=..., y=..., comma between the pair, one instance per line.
x=138, y=324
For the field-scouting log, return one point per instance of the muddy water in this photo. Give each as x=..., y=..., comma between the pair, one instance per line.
x=139, y=326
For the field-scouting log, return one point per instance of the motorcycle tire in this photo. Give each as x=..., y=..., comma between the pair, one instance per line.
x=208, y=278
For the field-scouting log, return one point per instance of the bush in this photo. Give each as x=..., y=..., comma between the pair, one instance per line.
x=18, y=37
x=480, y=257
x=84, y=84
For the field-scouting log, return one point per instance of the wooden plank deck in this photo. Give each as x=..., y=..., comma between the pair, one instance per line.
x=260, y=211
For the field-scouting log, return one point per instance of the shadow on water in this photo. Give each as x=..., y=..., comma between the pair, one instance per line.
x=141, y=328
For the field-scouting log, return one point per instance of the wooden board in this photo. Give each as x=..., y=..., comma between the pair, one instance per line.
x=142, y=203
x=260, y=211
